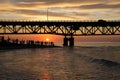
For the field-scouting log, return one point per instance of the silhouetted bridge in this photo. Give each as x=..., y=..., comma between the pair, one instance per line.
x=65, y=28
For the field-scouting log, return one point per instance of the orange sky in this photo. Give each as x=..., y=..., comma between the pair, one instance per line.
x=61, y=10
x=41, y=37
x=56, y=38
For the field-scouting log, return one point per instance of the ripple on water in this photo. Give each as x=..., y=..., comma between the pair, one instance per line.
x=57, y=64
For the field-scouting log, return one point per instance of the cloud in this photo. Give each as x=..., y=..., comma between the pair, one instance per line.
x=56, y=1
x=100, y=6
x=64, y=1
x=34, y=13
x=32, y=3
x=44, y=13
x=74, y=9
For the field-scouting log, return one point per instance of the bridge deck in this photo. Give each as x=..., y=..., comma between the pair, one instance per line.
x=75, y=28
x=67, y=23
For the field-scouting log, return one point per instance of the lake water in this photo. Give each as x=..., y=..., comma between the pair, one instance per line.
x=89, y=61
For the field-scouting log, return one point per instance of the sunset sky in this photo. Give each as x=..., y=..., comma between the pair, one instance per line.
x=61, y=10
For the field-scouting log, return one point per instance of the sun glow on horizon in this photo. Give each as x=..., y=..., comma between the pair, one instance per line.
x=47, y=39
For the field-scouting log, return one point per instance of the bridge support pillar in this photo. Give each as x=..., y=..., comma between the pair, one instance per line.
x=65, y=41
x=71, y=41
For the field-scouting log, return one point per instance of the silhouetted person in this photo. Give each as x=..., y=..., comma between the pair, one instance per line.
x=8, y=40
x=41, y=43
x=16, y=41
x=52, y=44
x=2, y=39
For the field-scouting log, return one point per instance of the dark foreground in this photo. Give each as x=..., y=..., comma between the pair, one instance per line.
x=81, y=63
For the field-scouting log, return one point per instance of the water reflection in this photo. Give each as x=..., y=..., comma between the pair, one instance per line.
x=45, y=76
x=58, y=64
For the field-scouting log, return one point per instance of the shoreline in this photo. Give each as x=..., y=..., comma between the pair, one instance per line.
x=30, y=47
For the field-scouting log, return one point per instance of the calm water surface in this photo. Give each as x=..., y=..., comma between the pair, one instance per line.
x=78, y=63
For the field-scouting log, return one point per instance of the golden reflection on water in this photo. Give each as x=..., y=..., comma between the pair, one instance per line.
x=57, y=64
x=45, y=76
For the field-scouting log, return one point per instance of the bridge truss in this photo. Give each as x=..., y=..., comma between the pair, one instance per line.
x=67, y=28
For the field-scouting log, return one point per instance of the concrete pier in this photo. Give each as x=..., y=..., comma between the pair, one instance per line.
x=71, y=41
x=65, y=41
x=68, y=41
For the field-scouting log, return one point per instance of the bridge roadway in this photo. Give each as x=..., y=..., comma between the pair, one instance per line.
x=65, y=28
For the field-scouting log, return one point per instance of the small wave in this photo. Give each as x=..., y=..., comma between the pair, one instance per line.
x=106, y=62
x=100, y=61
x=96, y=46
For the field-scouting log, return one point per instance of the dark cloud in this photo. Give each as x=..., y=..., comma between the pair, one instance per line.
x=29, y=12
x=81, y=14
x=73, y=10
x=4, y=1
x=57, y=1
x=53, y=14
x=31, y=3
x=66, y=1
x=100, y=6
x=39, y=13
